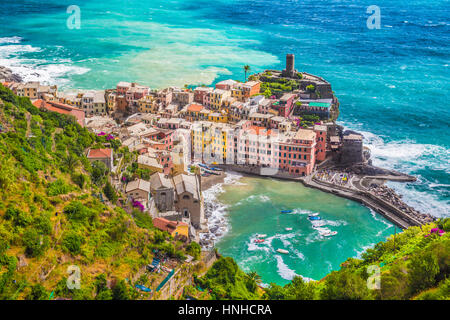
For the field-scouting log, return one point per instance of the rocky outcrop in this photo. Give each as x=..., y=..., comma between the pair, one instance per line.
x=8, y=76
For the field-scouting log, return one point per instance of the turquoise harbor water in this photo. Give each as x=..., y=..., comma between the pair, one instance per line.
x=253, y=206
x=393, y=85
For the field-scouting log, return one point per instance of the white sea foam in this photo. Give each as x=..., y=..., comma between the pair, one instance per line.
x=335, y=223
x=283, y=270
x=254, y=197
x=13, y=55
x=217, y=220
x=10, y=40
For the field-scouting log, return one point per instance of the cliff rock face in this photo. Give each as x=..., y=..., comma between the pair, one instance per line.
x=8, y=76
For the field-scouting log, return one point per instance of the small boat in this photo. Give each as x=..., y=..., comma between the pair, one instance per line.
x=313, y=214
x=261, y=235
x=286, y=211
x=288, y=229
x=215, y=169
x=259, y=240
x=319, y=224
x=315, y=218
x=282, y=251
x=329, y=233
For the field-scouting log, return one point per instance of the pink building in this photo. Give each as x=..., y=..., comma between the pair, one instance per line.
x=200, y=94
x=297, y=152
x=321, y=142
x=285, y=105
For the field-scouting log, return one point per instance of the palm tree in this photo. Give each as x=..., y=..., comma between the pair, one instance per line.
x=70, y=161
x=246, y=69
x=254, y=276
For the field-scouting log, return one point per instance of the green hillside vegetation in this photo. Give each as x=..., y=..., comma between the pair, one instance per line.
x=57, y=210
x=413, y=266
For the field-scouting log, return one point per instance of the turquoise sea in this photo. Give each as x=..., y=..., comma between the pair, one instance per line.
x=393, y=83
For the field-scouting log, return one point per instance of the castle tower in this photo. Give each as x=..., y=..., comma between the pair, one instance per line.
x=290, y=66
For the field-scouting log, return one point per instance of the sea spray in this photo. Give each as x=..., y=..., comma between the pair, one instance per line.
x=216, y=212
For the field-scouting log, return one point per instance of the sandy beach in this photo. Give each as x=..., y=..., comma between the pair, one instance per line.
x=208, y=182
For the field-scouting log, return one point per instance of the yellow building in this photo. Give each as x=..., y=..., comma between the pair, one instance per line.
x=209, y=141
x=148, y=104
x=218, y=117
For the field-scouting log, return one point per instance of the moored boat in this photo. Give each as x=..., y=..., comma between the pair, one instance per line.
x=286, y=211
x=261, y=235
x=329, y=233
x=259, y=240
x=282, y=251
x=313, y=214
x=288, y=229
x=315, y=218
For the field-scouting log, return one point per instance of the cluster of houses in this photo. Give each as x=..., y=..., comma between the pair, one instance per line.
x=230, y=123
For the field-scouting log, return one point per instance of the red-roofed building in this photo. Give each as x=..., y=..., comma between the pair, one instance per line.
x=174, y=228
x=103, y=155
x=62, y=109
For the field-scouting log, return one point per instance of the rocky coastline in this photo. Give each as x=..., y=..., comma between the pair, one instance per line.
x=7, y=75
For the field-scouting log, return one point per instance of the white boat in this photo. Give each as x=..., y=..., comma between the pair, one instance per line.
x=288, y=229
x=261, y=235
x=282, y=251
x=318, y=224
x=329, y=233
x=313, y=214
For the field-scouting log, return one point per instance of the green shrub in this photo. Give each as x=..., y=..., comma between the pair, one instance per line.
x=58, y=187
x=35, y=243
x=72, y=242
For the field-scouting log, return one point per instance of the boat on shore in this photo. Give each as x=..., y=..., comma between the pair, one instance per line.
x=286, y=211
x=282, y=251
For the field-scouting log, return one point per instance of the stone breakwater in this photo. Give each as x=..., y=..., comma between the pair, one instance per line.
x=389, y=195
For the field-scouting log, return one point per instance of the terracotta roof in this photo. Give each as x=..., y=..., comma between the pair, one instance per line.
x=166, y=225
x=62, y=109
x=195, y=108
x=99, y=153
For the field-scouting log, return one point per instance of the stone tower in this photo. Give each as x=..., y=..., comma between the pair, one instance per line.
x=290, y=67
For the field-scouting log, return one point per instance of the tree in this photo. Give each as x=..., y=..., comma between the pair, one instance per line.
x=110, y=193
x=194, y=249
x=267, y=93
x=298, y=289
x=275, y=292
x=120, y=291
x=35, y=244
x=79, y=179
x=344, y=285
x=423, y=269
x=98, y=172
x=70, y=162
x=38, y=292
x=72, y=242
x=246, y=69
x=311, y=88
